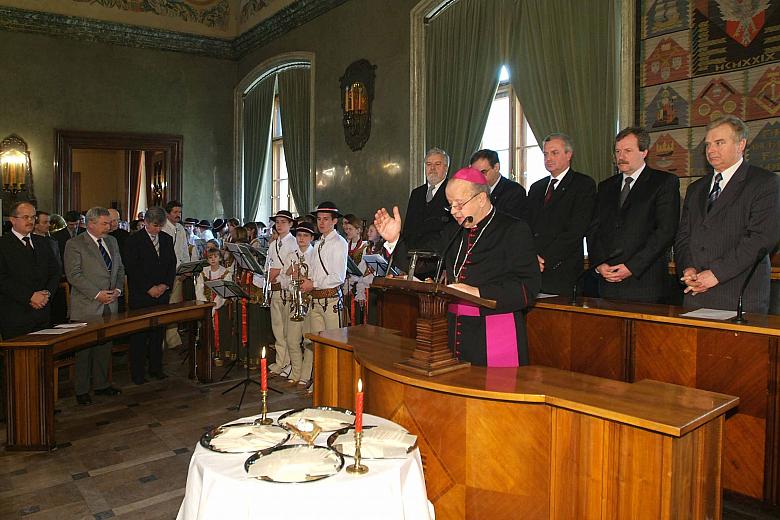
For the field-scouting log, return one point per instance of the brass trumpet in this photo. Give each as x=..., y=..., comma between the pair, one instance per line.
x=299, y=301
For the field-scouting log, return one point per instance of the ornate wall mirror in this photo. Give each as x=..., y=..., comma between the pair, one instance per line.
x=357, y=94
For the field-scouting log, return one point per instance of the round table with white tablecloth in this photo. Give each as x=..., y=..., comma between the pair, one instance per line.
x=218, y=488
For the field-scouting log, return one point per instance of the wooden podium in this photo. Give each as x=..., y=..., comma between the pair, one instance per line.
x=432, y=355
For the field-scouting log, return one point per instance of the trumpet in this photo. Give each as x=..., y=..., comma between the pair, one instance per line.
x=299, y=301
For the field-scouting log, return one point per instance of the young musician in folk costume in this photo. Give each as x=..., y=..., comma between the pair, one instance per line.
x=356, y=287
x=301, y=363
x=215, y=271
x=375, y=241
x=327, y=271
x=279, y=251
x=255, y=319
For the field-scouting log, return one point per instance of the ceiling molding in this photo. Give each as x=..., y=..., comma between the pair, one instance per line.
x=284, y=21
x=90, y=30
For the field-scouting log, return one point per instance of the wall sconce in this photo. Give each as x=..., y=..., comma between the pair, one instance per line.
x=357, y=95
x=15, y=165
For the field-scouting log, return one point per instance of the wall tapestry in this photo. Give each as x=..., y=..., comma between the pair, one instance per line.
x=701, y=59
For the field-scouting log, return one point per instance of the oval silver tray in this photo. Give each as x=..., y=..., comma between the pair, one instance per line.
x=335, y=435
x=309, y=478
x=281, y=418
x=206, y=438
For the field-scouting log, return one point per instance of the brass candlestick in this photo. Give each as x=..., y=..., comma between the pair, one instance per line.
x=264, y=411
x=357, y=467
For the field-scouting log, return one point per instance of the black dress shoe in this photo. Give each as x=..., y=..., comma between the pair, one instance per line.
x=84, y=399
x=109, y=390
x=159, y=375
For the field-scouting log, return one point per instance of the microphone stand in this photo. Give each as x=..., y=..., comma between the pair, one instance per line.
x=611, y=257
x=740, y=318
x=469, y=219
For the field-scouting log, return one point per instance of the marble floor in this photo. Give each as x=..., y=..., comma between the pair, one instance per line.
x=127, y=456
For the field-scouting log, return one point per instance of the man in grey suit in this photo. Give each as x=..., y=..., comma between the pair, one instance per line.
x=94, y=269
x=729, y=219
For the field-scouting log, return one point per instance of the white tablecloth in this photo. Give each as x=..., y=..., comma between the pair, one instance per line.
x=218, y=488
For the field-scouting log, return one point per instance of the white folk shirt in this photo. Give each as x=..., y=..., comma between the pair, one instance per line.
x=180, y=243
x=279, y=252
x=294, y=257
x=331, y=249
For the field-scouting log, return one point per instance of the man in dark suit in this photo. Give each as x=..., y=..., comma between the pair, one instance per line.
x=117, y=232
x=151, y=268
x=426, y=213
x=729, y=218
x=96, y=275
x=506, y=196
x=29, y=275
x=71, y=229
x=635, y=221
x=560, y=209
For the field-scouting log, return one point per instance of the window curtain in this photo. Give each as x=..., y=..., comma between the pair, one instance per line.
x=562, y=65
x=462, y=63
x=294, y=107
x=257, y=110
x=137, y=183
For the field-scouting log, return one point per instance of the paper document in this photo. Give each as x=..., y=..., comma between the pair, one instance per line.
x=51, y=331
x=70, y=325
x=710, y=314
x=545, y=295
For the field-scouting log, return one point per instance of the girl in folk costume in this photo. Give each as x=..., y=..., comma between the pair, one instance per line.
x=356, y=287
x=214, y=271
x=301, y=363
x=375, y=241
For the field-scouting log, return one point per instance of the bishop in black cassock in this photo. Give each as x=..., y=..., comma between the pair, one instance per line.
x=491, y=256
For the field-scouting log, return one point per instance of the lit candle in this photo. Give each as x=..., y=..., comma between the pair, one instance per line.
x=263, y=372
x=359, y=407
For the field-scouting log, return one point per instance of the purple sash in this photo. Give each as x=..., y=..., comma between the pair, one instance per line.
x=500, y=335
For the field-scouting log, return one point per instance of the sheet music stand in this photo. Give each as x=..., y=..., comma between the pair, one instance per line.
x=379, y=265
x=353, y=269
x=193, y=269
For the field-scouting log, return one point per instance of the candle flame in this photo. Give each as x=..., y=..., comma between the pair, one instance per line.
x=360, y=385
x=263, y=353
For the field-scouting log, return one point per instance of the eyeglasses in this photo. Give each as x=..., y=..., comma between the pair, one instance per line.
x=457, y=206
x=24, y=217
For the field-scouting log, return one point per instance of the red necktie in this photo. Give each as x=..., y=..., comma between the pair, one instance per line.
x=550, y=189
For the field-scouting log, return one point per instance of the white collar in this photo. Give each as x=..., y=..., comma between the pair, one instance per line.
x=729, y=172
x=634, y=175
x=559, y=178
x=20, y=236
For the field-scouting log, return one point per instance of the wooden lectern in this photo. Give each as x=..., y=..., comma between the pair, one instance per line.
x=432, y=355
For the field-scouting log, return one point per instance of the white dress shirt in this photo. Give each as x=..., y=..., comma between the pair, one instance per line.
x=331, y=250
x=279, y=251
x=180, y=243
x=727, y=174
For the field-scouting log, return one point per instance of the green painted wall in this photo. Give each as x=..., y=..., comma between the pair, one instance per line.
x=48, y=83
x=377, y=30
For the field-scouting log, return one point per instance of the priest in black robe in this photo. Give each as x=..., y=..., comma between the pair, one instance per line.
x=488, y=254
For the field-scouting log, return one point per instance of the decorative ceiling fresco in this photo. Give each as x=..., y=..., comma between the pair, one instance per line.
x=218, y=28
x=214, y=18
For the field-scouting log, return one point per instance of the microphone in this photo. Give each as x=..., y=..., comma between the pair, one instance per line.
x=469, y=219
x=616, y=253
x=739, y=318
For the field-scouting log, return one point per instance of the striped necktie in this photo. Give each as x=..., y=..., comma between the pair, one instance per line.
x=550, y=189
x=714, y=192
x=104, y=254
x=156, y=242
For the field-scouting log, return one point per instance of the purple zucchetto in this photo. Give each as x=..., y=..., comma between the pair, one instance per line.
x=471, y=175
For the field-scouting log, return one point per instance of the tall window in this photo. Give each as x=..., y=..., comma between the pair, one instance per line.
x=507, y=132
x=281, y=196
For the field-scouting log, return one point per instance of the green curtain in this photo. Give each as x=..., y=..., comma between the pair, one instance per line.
x=257, y=111
x=294, y=105
x=462, y=65
x=562, y=66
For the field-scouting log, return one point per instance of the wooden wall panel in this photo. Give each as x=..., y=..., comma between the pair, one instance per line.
x=743, y=455
x=340, y=389
x=547, y=328
x=587, y=344
x=599, y=346
x=640, y=470
x=578, y=458
x=664, y=353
